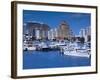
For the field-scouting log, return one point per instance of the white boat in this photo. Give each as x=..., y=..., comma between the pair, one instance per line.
x=31, y=48
x=28, y=46
x=80, y=53
x=43, y=46
x=60, y=43
x=75, y=50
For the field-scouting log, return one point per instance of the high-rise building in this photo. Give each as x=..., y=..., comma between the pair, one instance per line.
x=88, y=30
x=37, y=34
x=86, y=33
x=82, y=32
x=38, y=30
x=55, y=33
x=43, y=31
x=64, y=31
x=51, y=34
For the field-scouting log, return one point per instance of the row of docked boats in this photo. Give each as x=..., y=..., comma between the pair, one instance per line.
x=66, y=48
x=36, y=45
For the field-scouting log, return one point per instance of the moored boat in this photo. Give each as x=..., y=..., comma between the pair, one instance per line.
x=73, y=49
x=78, y=53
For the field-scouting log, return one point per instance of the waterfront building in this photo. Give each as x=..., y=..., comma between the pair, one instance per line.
x=51, y=34
x=37, y=34
x=38, y=30
x=64, y=30
x=43, y=31
x=56, y=33
x=82, y=32
x=86, y=33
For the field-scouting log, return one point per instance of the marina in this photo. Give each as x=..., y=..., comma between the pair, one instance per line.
x=60, y=45
x=53, y=54
x=67, y=48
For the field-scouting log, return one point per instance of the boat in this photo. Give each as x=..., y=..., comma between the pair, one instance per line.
x=28, y=46
x=32, y=48
x=80, y=53
x=73, y=49
x=44, y=46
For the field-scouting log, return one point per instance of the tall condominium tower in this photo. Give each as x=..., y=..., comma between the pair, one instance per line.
x=64, y=30
x=38, y=30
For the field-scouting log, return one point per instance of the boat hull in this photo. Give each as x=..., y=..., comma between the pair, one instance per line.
x=78, y=54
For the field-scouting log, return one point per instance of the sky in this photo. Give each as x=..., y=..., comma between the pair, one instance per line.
x=76, y=21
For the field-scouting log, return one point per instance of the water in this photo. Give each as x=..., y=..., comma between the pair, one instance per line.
x=52, y=59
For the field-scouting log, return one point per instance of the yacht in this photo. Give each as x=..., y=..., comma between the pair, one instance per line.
x=74, y=49
x=28, y=46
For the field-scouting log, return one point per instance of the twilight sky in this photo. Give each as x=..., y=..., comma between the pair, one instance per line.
x=76, y=21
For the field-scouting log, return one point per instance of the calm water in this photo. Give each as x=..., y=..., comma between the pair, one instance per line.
x=51, y=59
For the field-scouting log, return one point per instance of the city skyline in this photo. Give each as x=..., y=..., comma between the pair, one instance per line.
x=53, y=19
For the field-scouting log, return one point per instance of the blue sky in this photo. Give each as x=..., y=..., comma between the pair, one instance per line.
x=76, y=21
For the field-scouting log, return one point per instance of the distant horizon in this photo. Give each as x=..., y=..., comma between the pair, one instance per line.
x=53, y=19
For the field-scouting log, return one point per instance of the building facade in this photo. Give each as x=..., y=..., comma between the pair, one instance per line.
x=86, y=33
x=38, y=30
x=43, y=31
x=64, y=30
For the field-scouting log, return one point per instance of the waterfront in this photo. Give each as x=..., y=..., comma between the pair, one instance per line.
x=55, y=41
x=52, y=59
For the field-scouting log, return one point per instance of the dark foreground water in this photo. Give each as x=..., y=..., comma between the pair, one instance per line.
x=51, y=59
